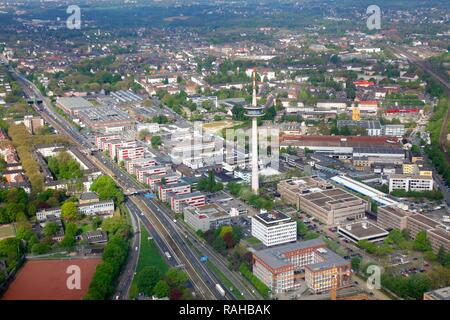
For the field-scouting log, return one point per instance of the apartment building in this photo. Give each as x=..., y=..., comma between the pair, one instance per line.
x=176, y=188
x=193, y=199
x=140, y=162
x=113, y=145
x=153, y=180
x=129, y=153
x=152, y=170
x=281, y=267
x=410, y=182
x=43, y=214
x=208, y=216
x=101, y=208
x=392, y=217
x=101, y=140
x=274, y=228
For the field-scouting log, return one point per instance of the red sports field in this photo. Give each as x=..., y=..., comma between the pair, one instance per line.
x=47, y=280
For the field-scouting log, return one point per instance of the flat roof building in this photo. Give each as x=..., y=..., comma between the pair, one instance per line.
x=208, y=216
x=290, y=189
x=410, y=182
x=439, y=237
x=274, y=228
x=73, y=105
x=362, y=230
x=438, y=294
x=193, y=199
x=106, y=119
x=281, y=267
x=418, y=222
x=392, y=217
x=333, y=206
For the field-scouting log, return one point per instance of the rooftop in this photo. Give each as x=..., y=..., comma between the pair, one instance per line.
x=363, y=230
x=328, y=198
x=272, y=218
x=74, y=103
x=275, y=257
x=424, y=220
x=440, y=294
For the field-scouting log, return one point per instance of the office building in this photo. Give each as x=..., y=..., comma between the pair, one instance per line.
x=362, y=230
x=206, y=217
x=410, y=182
x=282, y=268
x=274, y=228
x=333, y=206
x=392, y=217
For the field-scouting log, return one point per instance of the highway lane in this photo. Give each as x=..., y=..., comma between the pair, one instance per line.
x=65, y=128
x=219, y=261
x=129, y=184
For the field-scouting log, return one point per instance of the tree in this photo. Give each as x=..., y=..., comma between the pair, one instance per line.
x=175, y=294
x=219, y=245
x=146, y=280
x=69, y=211
x=161, y=289
x=106, y=189
x=116, y=225
x=356, y=263
x=40, y=248
x=176, y=278
x=421, y=243
x=50, y=228
x=156, y=141
x=69, y=237
x=143, y=133
x=441, y=255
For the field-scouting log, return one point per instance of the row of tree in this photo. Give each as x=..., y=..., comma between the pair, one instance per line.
x=114, y=256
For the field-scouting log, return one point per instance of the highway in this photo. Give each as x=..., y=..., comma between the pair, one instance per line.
x=202, y=279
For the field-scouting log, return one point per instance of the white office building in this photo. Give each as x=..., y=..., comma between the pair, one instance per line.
x=410, y=182
x=274, y=228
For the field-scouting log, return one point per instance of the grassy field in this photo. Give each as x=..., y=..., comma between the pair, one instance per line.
x=252, y=241
x=149, y=255
x=7, y=231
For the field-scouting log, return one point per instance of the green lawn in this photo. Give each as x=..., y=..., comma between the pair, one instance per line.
x=7, y=231
x=149, y=255
x=252, y=241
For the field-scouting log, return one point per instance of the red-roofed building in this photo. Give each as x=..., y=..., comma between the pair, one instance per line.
x=364, y=83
